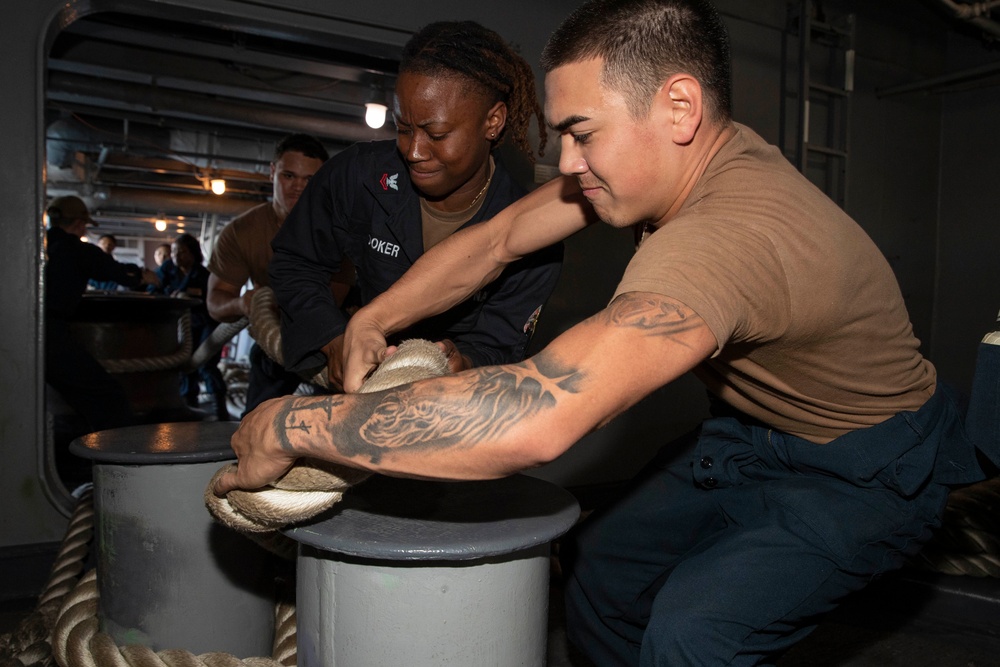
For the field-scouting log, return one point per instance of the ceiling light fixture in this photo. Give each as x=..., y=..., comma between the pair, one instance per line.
x=218, y=185
x=375, y=107
x=160, y=223
x=375, y=114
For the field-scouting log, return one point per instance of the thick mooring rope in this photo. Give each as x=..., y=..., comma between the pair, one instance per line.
x=221, y=335
x=265, y=327
x=29, y=643
x=160, y=363
x=311, y=486
x=64, y=626
x=68, y=629
x=183, y=358
x=77, y=641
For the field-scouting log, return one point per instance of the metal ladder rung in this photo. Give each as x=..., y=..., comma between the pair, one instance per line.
x=825, y=150
x=822, y=41
x=830, y=29
x=829, y=90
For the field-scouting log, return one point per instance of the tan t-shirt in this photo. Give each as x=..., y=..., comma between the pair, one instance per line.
x=243, y=249
x=439, y=225
x=814, y=337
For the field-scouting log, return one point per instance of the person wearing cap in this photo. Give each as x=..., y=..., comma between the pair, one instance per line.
x=69, y=369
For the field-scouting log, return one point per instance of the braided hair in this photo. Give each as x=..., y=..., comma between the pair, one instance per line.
x=479, y=55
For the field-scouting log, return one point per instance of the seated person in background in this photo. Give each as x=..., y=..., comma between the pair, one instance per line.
x=191, y=280
x=69, y=369
x=243, y=251
x=165, y=268
x=162, y=254
x=108, y=243
x=381, y=205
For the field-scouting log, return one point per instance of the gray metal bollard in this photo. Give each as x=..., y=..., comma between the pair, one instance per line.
x=169, y=576
x=415, y=573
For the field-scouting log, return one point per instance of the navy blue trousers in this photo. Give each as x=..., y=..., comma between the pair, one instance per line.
x=735, y=540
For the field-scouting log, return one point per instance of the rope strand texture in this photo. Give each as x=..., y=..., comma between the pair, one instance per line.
x=29, y=643
x=313, y=486
x=164, y=362
x=78, y=642
x=265, y=327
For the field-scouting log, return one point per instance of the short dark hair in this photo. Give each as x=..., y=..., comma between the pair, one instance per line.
x=306, y=144
x=643, y=43
x=108, y=236
x=478, y=54
x=193, y=246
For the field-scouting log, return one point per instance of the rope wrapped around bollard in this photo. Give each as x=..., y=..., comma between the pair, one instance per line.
x=30, y=642
x=64, y=627
x=183, y=358
x=264, y=326
x=77, y=641
x=163, y=362
x=312, y=486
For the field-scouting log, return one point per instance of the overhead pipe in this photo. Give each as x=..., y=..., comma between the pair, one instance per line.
x=946, y=79
x=175, y=203
x=167, y=102
x=976, y=13
x=148, y=201
x=986, y=25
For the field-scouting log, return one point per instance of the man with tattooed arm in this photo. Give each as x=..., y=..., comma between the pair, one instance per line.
x=830, y=448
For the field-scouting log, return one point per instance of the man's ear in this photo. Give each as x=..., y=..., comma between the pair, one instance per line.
x=680, y=102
